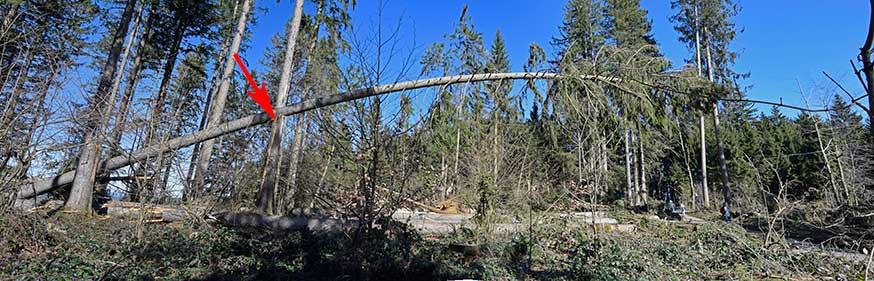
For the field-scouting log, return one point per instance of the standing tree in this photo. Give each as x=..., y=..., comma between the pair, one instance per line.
x=86, y=171
x=219, y=100
x=266, y=192
x=321, y=73
x=635, y=55
x=709, y=25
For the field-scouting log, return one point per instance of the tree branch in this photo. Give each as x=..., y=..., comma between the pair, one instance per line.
x=853, y=100
x=780, y=104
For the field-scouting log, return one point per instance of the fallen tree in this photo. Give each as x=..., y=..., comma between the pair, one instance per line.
x=162, y=213
x=40, y=186
x=426, y=223
x=34, y=187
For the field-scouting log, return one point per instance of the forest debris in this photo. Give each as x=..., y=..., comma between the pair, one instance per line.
x=50, y=205
x=693, y=220
x=450, y=206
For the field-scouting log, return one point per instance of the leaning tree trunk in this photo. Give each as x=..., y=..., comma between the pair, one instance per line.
x=39, y=186
x=154, y=133
x=127, y=97
x=213, y=88
x=266, y=192
x=83, y=183
x=16, y=93
x=726, y=187
x=219, y=100
x=113, y=95
x=300, y=125
x=868, y=69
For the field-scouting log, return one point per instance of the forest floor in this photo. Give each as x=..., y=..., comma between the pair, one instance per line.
x=62, y=246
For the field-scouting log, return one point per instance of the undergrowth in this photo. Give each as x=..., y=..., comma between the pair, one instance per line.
x=69, y=247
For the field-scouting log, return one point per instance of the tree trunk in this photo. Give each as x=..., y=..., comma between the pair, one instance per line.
x=8, y=19
x=17, y=89
x=83, y=183
x=629, y=179
x=321, y=183
x=496, y=150
x=40, y=186
x=300, y=124
x=213, y=88
x=705, y=190
x=693, y=201
x=301, y=129
x=131, y=85
x=698, y=46
x=458, y=117
x=644, y=192
x=38, y=122
x=218, y=106
x=155, y=133
x=851, y=200
x=635, y=165
x=726, y=187
x=113, y=94
x=264, y=201
x=868, y=69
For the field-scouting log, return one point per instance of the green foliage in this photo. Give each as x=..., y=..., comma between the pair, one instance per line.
x=72, y=248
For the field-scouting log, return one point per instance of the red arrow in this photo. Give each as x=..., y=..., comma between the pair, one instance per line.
x=260, y=94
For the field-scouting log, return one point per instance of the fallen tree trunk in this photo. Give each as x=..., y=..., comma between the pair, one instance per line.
x=40, y=186
x=282, y=223
x=426, y=223
x=163, y=213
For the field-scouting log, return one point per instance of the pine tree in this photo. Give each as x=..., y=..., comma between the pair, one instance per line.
x=708, y=26
x=635, y=55
x=502, y=108
x=581, y=32
x=463, y=52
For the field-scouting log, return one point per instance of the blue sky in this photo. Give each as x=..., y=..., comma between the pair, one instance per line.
x=782, y=40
